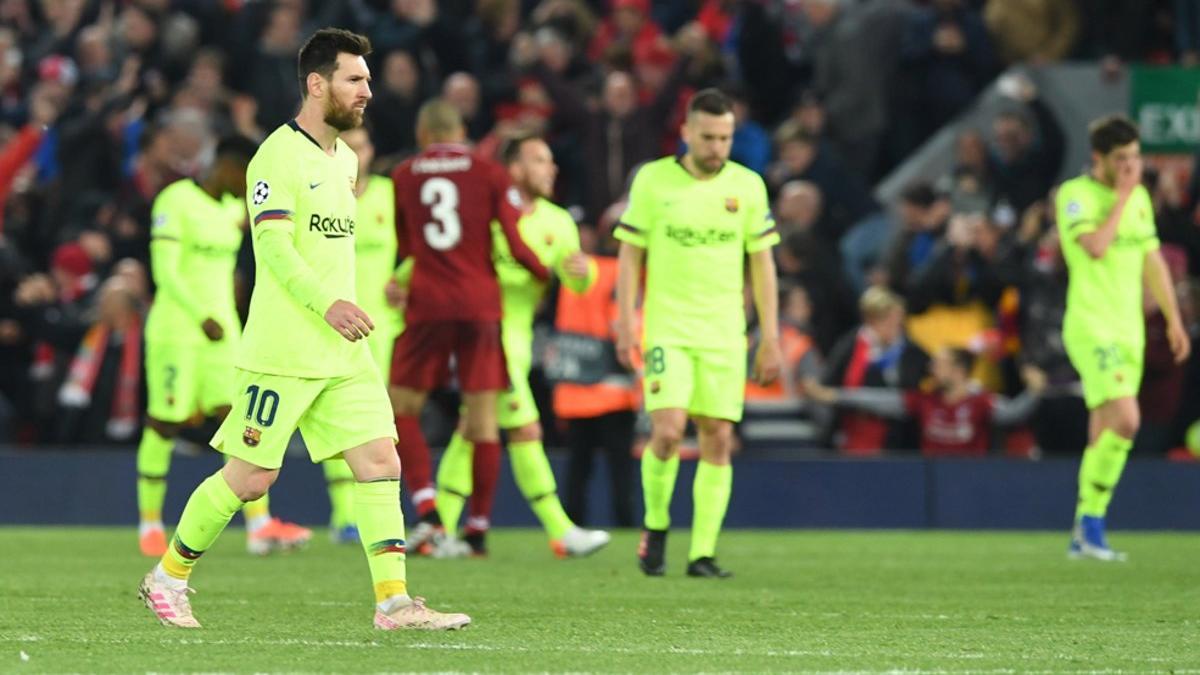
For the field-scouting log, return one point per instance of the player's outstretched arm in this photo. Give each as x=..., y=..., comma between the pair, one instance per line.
x=629, y=277
x=883, y=402
x=768, y=361
x=1158, y=277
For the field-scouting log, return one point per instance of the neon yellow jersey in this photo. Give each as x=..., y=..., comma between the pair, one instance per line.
x=194, y=241
x=696, y=234
x=375, y=252
x=1104, y=296
x=307, y=196
x=551, y=233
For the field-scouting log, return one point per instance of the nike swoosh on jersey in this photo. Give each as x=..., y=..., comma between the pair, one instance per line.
x=313, y=186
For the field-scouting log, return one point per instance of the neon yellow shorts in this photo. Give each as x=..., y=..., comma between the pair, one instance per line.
x=705, y=382
x=333, y=415
x=185, y=379
x=1108, y=369
x=516, y=406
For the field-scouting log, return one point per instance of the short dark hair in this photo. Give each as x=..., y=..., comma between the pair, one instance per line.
x=963, y=358
x=921, y=194
x=319, y=54
x=510, y=149
x=712, y=101
x=1111, y=132
x=236, y=146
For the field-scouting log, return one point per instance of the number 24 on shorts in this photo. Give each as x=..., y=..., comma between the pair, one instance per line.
x=267, y=402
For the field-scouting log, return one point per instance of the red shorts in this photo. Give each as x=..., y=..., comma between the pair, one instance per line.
x=421, y=360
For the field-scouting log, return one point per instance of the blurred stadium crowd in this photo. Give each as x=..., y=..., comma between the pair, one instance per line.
x=104, y=102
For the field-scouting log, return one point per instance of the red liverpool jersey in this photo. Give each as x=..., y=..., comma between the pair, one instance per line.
x=446, y=200
x=961, y=429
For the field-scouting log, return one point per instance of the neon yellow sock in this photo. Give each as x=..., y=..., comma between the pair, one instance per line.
x=454, y=480
x=710, y=500
x=339, y=480
x=1100, y=471
x=658, y=486
x=208, y=511
x=153, y=463
x=381, y=529
x=535, y=479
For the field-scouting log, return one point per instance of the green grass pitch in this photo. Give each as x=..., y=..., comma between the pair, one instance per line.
x=800, y=601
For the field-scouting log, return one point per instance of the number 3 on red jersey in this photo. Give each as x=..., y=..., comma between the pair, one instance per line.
x=441, y=196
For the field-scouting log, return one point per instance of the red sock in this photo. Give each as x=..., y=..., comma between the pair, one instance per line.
x=485, y=473
x=416, y=467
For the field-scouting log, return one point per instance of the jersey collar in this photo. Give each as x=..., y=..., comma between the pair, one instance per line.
x=296, y=127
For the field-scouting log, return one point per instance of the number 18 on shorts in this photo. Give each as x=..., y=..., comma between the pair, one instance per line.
x=702, y=381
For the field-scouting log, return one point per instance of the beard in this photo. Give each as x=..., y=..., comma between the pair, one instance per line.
x=342, y=118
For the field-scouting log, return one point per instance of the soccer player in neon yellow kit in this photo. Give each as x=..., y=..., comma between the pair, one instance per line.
x=1109, y=242
x=192, y=333
x=303, y=362
x=375, y=259
x=693, y=221
x=553, y=236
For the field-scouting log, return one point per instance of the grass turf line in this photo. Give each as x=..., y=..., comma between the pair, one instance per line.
x=800, y=601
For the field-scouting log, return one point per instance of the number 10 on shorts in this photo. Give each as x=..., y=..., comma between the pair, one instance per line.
x=267, y=403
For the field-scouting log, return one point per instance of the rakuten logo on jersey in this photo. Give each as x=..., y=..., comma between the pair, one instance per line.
x=687, y=236
x=331, y=228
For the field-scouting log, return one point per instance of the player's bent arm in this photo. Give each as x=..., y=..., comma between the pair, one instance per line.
x=765, y=286
x=521, y=251
x=165, y=253
x=1096, y=243
x=882, y=402
x=574, y=282
x=278, y=254
x=1158, y=277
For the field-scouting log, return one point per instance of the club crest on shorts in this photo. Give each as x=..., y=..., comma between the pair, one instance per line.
x=731, y=204
x=251, y=436
x=514, y=406
x=655, y=387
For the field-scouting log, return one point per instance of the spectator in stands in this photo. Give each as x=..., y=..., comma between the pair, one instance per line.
x=854, y=57
x=616, y=137
x=1038, y=31
x=947, y=55
x=1187, y=32
x=270, y=76
x=969, y=183
x=422, y=27
x=801, y=359
x=974, y=262
x=102, y=393
x=807, y=261
x=877, y=354
x=803, y=156
x=1026, y=153
x=923, y=213
x=957, y=418
x=751, y=143
x=393, y=112
x=630, y=27
x=461, y=90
